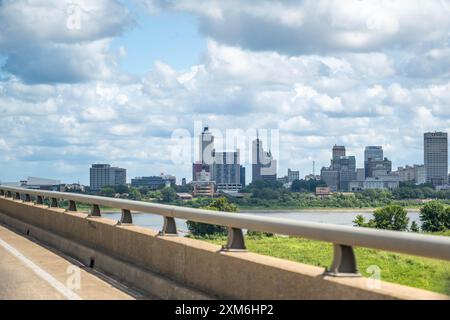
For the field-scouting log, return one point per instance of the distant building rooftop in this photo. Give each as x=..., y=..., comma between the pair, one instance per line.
x=33, y=181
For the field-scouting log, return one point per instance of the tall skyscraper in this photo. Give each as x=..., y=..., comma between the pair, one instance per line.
x=202, y=169
x=346, y=166
x=226, y=168
x=338, y=151
x=206, y=147
x=103, y=175
x=264, y=167
x=436, y=157
x=220, y=170
x=374, y=153
x=341, y=172
x=373, y=157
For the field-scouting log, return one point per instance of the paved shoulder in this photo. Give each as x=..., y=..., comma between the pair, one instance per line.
x=30, y=271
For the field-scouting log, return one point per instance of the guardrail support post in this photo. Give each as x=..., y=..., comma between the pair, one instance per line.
x=54, y=203
x=236, y=240
x=95, y=211
x=344, y=262
x=17, y=196
x=27, y=198
x=72, y=206
x=169, y=227
x=126, y=217
x=39, y=200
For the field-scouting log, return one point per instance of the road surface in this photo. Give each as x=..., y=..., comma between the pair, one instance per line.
x=29, y=271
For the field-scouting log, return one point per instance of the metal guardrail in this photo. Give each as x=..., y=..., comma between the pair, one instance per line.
x=344, y=238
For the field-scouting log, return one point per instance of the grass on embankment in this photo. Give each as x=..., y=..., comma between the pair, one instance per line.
x=424, y=273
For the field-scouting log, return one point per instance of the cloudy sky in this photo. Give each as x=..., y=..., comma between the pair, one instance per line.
x=85, y=81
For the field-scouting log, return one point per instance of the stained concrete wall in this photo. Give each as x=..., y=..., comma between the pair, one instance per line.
x=183, y=268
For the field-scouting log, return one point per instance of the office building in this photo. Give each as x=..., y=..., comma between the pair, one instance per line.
x=338, y=151
x=420, y=174
x=436, y=157
x=103, y=175
x=360, y=174
x=345, y=177
x=372, y=154
x=202, y=169
x=406, y=174
x=227, y=170
x=153, y=182
x=120, y=176
x=206, y=143
x=264, y=167
x=377, y=167
x=415, y=174
x=346, y=166
x=242, y=176
x=289, y=178
x=293, y=175
x=388, y=182
x=221, y=168
x=203, y=188
x=341, y=171
x=331, y=178
x=42, y=184
x=344, y=163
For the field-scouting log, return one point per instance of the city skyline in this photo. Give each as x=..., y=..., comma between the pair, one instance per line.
x=114, y=85
x=342, y=150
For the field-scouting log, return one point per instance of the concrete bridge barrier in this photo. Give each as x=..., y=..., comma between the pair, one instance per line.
x=173, y=267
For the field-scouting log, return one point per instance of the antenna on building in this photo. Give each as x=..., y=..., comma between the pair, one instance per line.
x=314, y=168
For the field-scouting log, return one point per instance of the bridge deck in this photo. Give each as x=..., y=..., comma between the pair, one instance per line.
x=31, y=271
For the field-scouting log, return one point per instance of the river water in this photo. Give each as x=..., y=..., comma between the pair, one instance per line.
x=339, y=217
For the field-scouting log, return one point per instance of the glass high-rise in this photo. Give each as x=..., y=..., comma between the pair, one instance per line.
x=436, y=157
x=374, y=153
x=374, y=157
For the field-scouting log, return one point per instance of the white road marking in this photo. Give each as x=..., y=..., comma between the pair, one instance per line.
x=69, y=294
